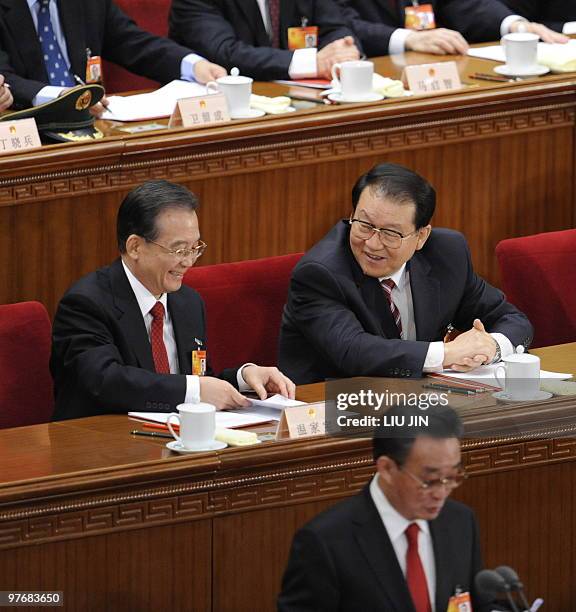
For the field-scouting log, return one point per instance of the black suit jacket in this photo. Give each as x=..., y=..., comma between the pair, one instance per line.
x=101, y=358
x=375, y=20
x=343, y=561
x=98, y=25
x=337, y=322
x=232, y=33
x=552, y=13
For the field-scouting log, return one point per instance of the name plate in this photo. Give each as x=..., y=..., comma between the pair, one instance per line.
x=19, y=135
x=432, y=78
x=302, y=422
x=199, y=111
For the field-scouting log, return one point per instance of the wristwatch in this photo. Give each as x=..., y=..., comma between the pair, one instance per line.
x=497, y=354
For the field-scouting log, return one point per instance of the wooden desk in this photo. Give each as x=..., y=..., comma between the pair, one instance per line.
x=120, y=523
x=500, y=156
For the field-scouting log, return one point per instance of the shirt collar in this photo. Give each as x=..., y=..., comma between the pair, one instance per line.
x=31, y=3
x=399, y=277
x=394, y=522
x=144, y=298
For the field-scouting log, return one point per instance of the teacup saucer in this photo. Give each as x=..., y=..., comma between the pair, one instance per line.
x=505, y=397
x=536, y=70
x=251, y=113
x=212, y=446
x=338, y=97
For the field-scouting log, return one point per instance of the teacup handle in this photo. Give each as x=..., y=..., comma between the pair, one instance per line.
x=335, y=69
x=169, y=424
x=212, y=87
x=501, y=382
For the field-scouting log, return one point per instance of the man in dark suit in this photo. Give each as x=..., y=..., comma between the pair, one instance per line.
x=131, y=337
x=400, y=544
x=377, y=295
x=559, y=15
x=380, y=25
x=253, y=35
x=38, y=66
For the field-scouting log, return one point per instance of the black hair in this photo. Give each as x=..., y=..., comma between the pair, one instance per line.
x=396, y=441
x=403, y=186
x=142, y=206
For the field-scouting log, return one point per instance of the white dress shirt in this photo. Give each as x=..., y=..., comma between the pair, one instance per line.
x=402, y=296
x=145, y=302
x=396, y=526
x=397, y=42
x=51, y=92
x=303, y=64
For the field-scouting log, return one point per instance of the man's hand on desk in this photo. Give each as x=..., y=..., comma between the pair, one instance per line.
x=341, y=50
x=6, y=99
x=545, y=33
x=439, y=42
x=470, y=349
x=268, y=380
x=221, y=393
x=205, y=71
x=99, y=108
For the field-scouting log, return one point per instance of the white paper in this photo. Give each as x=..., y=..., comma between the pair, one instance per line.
x=278, y=402
x=486, y=374
x=224, y=418
x=547, y=52
x=159, y=103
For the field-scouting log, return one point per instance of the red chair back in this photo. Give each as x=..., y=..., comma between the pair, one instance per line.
x=25, y=383
x=150, y=15
x=539, y=277
x=244, y=303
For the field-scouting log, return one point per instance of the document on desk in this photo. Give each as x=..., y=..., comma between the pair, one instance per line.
x=559, y=57
x=486, y=375
x=153, y=105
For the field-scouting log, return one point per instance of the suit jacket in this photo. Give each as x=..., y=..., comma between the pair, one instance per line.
x=552, y=13
x=337, y=322
x=232, y=33
x=98, y=25
x=375, y=20
x=101, y=358
x=343, y=561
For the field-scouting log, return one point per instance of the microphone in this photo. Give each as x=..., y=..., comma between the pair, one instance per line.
x=492, y=583
x=511, y=577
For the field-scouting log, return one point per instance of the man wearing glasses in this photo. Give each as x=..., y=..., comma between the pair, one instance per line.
x=383, y=294
x=400, y=544
x=124, y=336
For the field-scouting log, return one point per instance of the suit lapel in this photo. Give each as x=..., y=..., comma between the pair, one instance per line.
x=253, y=16
x=375, y=544
x=130, y=316
x=19, y=22
x=444, y=557
x=72, y=20
x=183, y=330
x=425, y=298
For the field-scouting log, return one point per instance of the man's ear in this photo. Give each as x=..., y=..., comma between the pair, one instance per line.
x=134, y=245
x=423, y=234
x=386, y=467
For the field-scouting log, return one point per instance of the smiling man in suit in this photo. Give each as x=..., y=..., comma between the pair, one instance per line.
x=124, y=337
x=400, y=544
x=46, y=44
x=559, y=15
x=377, y=295
x=253, y=35
x=380, y=25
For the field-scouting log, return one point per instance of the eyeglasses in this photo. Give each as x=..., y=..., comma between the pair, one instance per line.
x=452, y=482
x=389, y=238
x=194, y=253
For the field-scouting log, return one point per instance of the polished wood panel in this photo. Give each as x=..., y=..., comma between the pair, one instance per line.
x=500, y=155
x=120, y=523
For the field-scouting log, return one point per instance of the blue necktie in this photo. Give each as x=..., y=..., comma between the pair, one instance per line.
x=58, y=73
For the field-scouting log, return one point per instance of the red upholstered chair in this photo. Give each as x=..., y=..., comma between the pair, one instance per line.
x=244, y=303
x=25, y=382
x=539, y=277
x=150, y=15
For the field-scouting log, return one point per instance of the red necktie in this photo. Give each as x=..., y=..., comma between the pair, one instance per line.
x=388, y=284
x=274, y=11
x=159, y=353
x=415, y=576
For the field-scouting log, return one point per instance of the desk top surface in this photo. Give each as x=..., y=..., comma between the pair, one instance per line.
x=83, y=452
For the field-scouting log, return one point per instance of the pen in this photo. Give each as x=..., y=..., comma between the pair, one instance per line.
x=151, y=434
x=450, y=389
x=492, y=77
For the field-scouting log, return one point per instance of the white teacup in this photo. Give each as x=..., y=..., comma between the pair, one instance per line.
x=521, y=50
x=354, y=78
x=197, y=425
x=520, y=376
x=237, y=90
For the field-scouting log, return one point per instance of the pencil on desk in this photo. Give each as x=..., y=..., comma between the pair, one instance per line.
x=447, y=389
x=151, y=434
